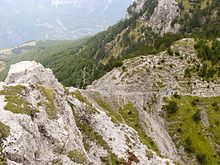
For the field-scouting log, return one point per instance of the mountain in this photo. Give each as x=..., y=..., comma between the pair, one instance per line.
x=149, y=27
x=23, y=21
x=18, y=49
x=44, y=123
x=145, y=91
x=178, y=111
x=148, y=111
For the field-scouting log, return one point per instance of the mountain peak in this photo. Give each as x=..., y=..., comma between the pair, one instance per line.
x=32, y=72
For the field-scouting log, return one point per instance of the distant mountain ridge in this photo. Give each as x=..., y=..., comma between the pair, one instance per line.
x=22, y=21
x=83, y=3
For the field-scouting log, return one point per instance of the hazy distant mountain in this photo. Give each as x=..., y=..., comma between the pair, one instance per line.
x=22, y=21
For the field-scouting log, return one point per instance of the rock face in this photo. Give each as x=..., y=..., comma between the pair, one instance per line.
x=163, y=16
x=50, y=126
x=32, y=73
x=118, y=120
x=160, y=20
x=146, y=80
x=39, y=138
x=159, y=72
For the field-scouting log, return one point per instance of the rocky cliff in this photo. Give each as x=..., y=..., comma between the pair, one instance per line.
x=119, y=119
x=157, y=14
x=148, y=82
x=44, y=123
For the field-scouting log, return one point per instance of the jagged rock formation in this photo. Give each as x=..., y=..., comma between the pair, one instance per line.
x=122, y=117
x=117, y=120
x=146, y=80
x=49, y=126
x=160, y=17
x=43, y=136
x=163, y=16
x=33, y=73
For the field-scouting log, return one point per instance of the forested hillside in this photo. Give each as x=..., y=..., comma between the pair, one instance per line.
x=133, y=37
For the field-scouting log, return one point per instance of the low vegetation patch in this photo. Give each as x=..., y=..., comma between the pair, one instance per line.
x=208, y=51
x=4, y=130
x=77, y=156
x=15, y=101
x=57, y=162
x=4, y=133
x=127, y=114
x=131, y=117
x=83, y=99
x=90, y=135
x=187, y=128
x=115, y=115
x=49, y=103
x=80, y=97
x=171, y=107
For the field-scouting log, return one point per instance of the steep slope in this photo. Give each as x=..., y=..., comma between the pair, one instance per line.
x=174, y=110
x=43, y=123
x=150, y=27
x=149, y=106
x=159, y=106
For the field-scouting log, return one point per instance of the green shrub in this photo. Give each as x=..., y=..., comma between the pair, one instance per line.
x=216, y=108
x=195, y=102
x=171, y=107
x=188, y=146
x=201, y=158
x=197, y=116
x=214, y=104
x=177, y=53
x=176, y=95
x=169, y=51
x=187, y=73
x=15, y=101
x=117, y=63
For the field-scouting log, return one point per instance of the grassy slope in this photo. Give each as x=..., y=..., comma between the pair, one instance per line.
x=187, y=129
x=126, y=114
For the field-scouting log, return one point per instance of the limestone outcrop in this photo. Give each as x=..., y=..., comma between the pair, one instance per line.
x=48, y=124
x=117, y=120
x=162, y=17
x=145, y=81
x=32, y=73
